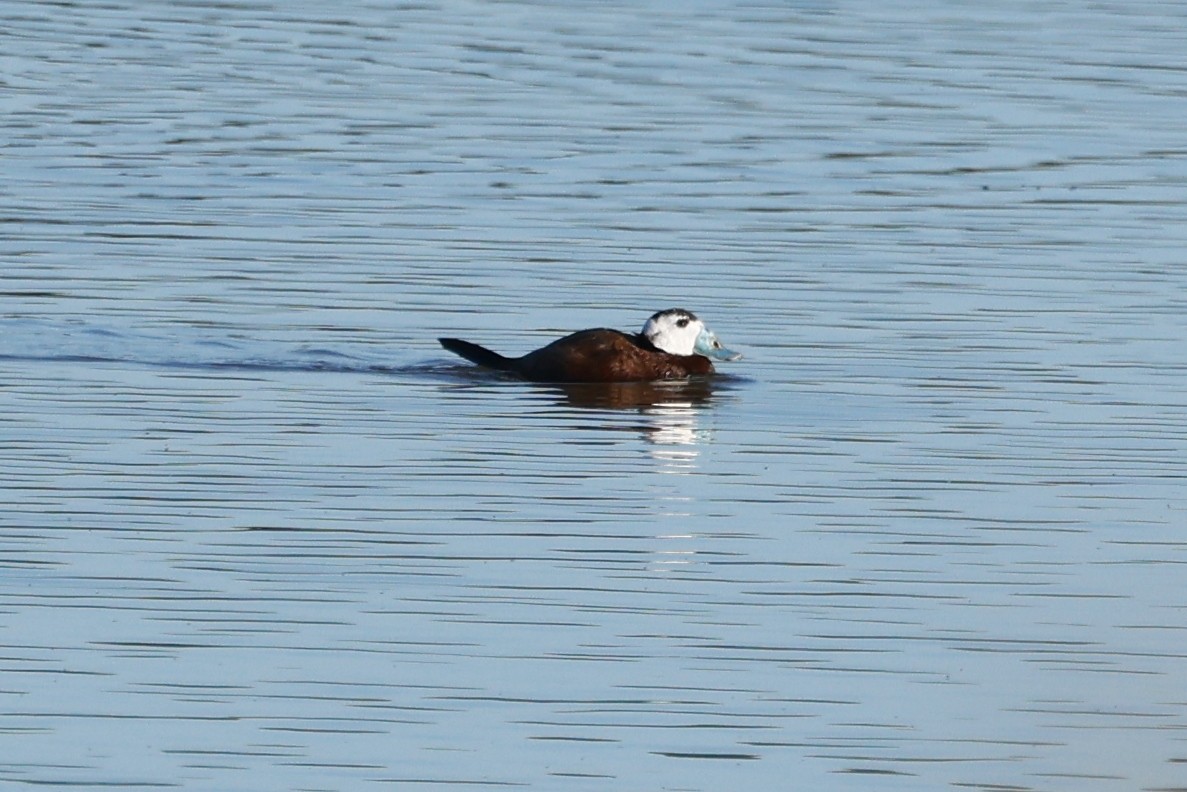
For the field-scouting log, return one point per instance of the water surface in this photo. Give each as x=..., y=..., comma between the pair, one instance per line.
x=262, y=533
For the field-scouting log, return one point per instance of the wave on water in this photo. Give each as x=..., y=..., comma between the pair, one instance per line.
x=38, y=341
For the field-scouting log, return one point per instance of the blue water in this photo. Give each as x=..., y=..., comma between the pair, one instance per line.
x=260, y=532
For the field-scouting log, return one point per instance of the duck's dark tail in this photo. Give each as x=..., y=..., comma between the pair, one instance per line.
x=476, y=354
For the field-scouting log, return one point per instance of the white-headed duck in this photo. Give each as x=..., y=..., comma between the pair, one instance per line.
x=673, y=344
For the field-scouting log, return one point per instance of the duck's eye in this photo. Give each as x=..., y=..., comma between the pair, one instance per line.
x=682, y=323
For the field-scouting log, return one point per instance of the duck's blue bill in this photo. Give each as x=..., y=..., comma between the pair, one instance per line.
x=708, y=345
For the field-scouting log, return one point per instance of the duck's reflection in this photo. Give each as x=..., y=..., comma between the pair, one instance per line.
x=672, y=408
x=695, y=391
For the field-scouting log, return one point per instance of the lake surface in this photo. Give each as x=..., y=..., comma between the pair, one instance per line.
x=260, y=532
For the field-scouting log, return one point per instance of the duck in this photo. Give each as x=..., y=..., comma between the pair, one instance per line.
x=673, y=344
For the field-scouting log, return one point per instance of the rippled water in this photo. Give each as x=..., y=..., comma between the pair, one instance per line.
x=260, y=532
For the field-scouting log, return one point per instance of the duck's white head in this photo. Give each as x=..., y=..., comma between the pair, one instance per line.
x=679, y=332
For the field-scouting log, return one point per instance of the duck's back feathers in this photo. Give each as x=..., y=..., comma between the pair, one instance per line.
x=604, y=355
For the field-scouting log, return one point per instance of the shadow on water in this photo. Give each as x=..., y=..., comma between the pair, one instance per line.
x=691, y=393
x=668, y=415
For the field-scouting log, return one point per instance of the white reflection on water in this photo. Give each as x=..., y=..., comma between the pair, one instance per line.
x=675, y=435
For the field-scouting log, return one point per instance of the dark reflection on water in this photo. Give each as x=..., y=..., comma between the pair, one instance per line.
x=678, y=394
x=260, y=533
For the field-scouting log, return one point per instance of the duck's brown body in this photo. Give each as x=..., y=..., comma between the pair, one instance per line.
x=600, y=355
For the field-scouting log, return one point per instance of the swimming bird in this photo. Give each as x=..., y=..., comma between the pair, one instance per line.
x=673, y=344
